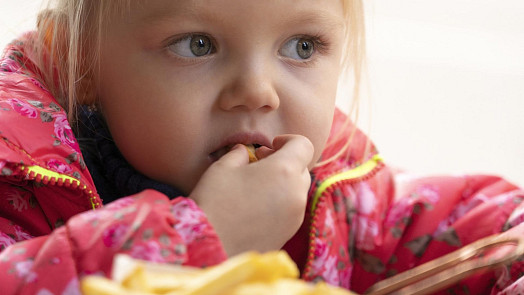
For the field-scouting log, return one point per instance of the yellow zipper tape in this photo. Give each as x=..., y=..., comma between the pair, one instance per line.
x=37, y=170
x=357, y=172
x=50, y=174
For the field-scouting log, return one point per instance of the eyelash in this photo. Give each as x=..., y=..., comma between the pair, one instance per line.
x=321, y=46
x=173, y=40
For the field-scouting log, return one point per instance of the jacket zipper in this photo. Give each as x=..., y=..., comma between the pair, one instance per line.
x=360, y=173
x=48, y=177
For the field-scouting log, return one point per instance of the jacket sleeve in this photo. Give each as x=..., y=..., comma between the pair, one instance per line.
x=146, y=226
x=427, y=217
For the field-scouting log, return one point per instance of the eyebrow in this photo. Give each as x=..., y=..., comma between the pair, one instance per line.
x=317, y=17
x=168, y=13
x=194, y=12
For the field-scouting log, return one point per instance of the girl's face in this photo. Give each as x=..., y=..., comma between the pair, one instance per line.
x=181, y=80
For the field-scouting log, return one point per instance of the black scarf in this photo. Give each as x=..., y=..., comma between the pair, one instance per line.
x=114, y=177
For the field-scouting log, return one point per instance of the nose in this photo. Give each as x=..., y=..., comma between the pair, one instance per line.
x=251, y=87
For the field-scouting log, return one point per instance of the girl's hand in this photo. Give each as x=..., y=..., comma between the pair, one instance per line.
x=257, y=206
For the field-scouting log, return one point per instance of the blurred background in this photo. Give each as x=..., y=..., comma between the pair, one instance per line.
x=444, y=88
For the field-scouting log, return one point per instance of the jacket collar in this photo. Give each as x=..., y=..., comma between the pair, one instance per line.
x=37, y=141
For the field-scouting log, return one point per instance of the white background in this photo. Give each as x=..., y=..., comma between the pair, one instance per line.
x=446, y=82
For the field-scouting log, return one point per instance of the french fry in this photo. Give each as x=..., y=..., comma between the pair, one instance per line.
x=251, y=151
x=96, y=285
x=249, y=273
x=220, y=278
x=156, y=282
x=151, y=277
x=286, y=287
x=124, y=265
x=278, y=287
x=274, y=265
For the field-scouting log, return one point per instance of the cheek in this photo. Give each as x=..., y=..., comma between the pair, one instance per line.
x=321, y=129
x=161, y=149
x=323, y=110
x=150, y=126
x=313, y=111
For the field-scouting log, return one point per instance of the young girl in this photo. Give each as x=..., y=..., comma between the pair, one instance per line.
x=146, y=105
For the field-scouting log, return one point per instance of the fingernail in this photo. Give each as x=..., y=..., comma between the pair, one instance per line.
x=237, y=146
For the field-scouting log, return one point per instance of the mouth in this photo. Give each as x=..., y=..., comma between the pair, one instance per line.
x=219, y=153
x=254, y=139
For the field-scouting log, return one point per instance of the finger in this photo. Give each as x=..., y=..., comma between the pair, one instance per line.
x=237, y=156
x=307, y=178
x=263, y=152
x=294, y=148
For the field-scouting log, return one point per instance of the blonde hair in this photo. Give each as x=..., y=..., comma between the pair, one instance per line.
x=67, y=49
x=70, y=33
x=353, y=64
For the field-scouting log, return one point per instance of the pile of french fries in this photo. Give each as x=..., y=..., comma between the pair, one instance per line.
x=246, y=274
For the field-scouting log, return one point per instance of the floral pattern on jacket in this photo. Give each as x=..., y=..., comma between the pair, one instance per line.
x=358, y=229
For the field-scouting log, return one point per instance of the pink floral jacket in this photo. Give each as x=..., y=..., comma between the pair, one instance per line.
x=363, y=222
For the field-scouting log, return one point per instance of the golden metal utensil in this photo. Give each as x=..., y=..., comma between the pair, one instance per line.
x=449, y=269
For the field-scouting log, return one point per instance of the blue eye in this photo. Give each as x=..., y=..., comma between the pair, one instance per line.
x=298, y=48
x=192, y=46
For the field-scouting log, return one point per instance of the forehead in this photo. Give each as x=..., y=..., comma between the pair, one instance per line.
x=329, y=12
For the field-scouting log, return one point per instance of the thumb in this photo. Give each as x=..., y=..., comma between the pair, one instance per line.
x=236, y=157
x=263, y=152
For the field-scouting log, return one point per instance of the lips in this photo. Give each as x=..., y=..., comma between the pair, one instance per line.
x=216, y=155
x=254, y=138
